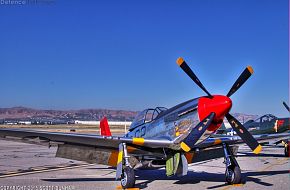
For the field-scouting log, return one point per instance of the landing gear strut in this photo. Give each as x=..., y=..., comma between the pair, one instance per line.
x=128, y=174
x=286, y=147
x=233, y=171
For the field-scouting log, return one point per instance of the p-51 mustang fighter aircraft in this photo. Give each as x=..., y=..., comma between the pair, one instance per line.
x=157, y=137
x=268, y=124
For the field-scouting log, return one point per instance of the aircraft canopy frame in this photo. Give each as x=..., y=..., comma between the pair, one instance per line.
x=146, y=116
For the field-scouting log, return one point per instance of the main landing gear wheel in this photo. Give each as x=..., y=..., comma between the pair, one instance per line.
x=233, y=171
x=128, y=178
x=233, y=176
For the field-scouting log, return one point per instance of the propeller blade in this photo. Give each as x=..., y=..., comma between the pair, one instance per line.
x=183, y=65
x=286, y=106
x=195, y=134
x=241, y=80
x=244, y=134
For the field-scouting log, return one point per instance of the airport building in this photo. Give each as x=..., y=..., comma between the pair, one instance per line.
x=111, y=123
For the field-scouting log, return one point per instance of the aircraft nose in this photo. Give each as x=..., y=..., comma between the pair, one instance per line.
x=218, y=104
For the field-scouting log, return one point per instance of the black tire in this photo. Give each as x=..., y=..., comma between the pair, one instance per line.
x=233, y=176
x=128, y=178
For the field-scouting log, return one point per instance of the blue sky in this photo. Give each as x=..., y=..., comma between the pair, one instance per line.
x=121, y=54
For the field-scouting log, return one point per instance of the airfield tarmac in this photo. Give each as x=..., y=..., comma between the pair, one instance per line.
x=34, y=167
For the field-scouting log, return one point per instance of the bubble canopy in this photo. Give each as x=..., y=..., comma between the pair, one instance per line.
x=146, y=116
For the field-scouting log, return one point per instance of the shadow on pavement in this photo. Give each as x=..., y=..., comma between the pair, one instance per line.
x=192, y=178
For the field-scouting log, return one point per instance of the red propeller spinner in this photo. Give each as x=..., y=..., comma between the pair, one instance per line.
x=220, y=105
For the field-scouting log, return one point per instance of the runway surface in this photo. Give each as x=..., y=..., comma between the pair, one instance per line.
x=34, y=167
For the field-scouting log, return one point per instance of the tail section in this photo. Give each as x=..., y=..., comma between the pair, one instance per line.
x=105, y=128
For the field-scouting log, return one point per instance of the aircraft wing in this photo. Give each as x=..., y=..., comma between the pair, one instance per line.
x=230, y=140
x=110, y=142
x=211, y=148
x=91, y=148
x=104, y=149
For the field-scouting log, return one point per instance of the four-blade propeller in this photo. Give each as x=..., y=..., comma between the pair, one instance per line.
x=236, y=125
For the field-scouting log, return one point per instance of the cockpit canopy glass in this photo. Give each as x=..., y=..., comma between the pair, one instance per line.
x=146, y=116
x=266, y=118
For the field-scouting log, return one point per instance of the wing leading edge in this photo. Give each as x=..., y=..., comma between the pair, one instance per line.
x=107, y=142
x=230, y=140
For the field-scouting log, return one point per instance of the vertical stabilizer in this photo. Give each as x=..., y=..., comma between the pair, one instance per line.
x=105, y=128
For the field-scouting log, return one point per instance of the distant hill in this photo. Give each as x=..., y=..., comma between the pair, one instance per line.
x=23, y=113
x=244, y=117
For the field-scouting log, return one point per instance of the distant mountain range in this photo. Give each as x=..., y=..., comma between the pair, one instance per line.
x=244, y=117
x=23, y=113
